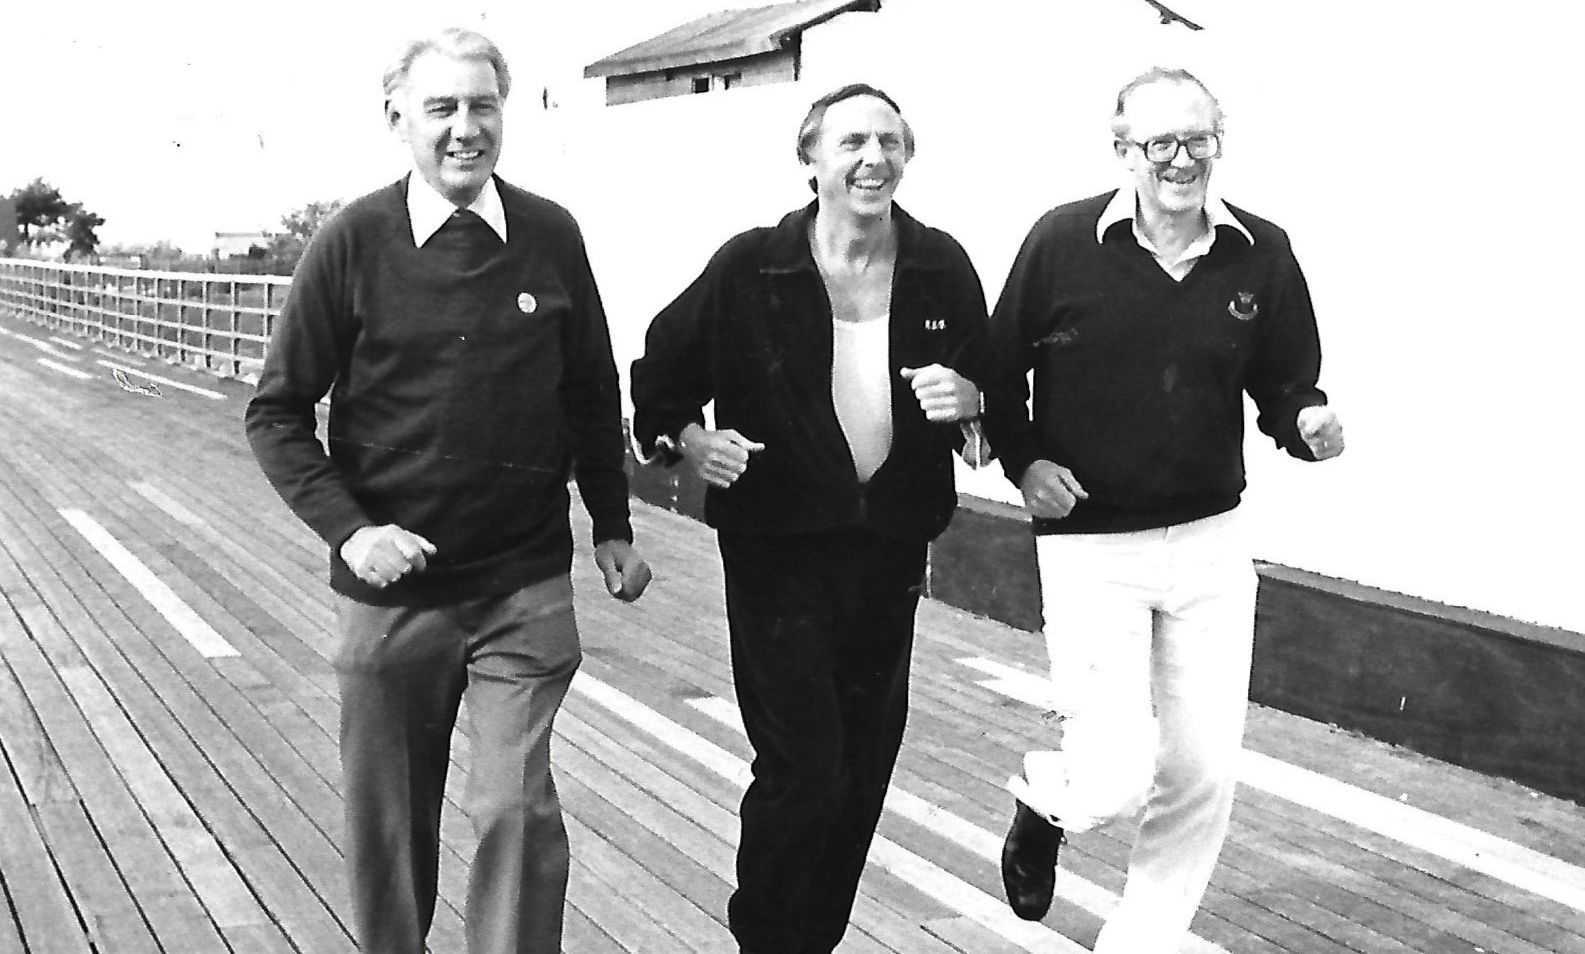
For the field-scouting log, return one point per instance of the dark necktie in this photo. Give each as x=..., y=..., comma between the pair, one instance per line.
x=465, y=240
x=468, y=222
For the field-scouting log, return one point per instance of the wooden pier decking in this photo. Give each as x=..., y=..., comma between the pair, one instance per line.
x=169, y=779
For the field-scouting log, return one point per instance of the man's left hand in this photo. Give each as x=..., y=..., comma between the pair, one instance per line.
x=1321, y=430
x=943, y=394
x=626, y=573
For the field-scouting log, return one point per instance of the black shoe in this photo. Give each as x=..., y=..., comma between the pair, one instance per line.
x=1029, y=863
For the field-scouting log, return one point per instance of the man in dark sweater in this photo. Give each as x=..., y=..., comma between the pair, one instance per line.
x=834, y=346
x=1146, y=314
x=455, y=323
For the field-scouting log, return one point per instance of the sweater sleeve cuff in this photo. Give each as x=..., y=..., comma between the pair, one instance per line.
x=336, y=530
x=1016, y=459
x=612, y=527
x=660, y=449
x=1288, y=437
x=655, y=441
x=605, y=497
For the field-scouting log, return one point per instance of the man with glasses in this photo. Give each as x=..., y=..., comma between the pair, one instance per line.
x=1146, y=314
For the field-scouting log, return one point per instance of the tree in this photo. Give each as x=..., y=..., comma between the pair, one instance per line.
x=80, y=235
x=300, y=226
x=38, y=207
x=9, y=236
x=43, y=215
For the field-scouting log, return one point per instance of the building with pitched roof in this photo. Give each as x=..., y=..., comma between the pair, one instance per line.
x=719, y=51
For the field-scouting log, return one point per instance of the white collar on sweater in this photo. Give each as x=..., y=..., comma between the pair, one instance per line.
x=428, y=210
x=1126, y=202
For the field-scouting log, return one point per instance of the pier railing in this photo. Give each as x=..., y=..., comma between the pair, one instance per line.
x=216, y=322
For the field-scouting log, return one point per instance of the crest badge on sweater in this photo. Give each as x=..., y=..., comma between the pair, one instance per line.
x=1243, y=306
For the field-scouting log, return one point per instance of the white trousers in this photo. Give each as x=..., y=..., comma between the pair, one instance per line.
x=1150, y=635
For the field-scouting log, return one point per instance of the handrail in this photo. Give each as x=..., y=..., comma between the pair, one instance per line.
x=216, y=322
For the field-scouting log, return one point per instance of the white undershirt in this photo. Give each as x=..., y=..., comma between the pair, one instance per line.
x=861, y=390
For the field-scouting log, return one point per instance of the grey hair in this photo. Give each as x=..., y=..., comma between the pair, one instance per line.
x=456, y=43
x=1161, y=74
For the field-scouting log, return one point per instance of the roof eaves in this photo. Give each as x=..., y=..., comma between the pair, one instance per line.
x=747, y=35
x=851, y=6
x=690, y=56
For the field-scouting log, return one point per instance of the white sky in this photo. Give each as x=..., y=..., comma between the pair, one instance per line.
x=174, y=120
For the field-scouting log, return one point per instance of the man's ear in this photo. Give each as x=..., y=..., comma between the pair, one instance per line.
x=1119, y=148
x=392, y=115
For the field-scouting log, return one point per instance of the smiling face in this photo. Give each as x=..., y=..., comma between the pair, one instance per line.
x=857, y=159
x=1168, y=110
x=448, y=111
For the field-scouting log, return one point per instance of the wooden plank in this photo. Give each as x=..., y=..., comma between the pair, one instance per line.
x=99, y=893
x=189, y=624
x=1417, y=880
x=967, y=937
x=209, y=794
x=330, y=871
x=659, y=903
x=908, y=866
x=579, y=933
x=321, y=703
x=709, y=828
x=219, y=885
x=187, y=565
x=447, y=928
x=600, y=874
x=655, y=837
x=224, y=894
x=1338, y=881
x=1486, y=802
x=40, y=913
x=714, y=824
x=973, y=868
x=10, y=931
x=157, y=886
x=59, y=925
x=37, y=766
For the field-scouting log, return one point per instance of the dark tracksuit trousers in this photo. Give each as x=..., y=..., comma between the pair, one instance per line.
x=821, y=637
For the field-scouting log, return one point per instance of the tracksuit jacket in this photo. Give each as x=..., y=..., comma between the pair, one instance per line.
x=754, y=334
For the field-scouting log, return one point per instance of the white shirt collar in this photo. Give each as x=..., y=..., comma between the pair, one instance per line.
x=1125, y=202
x=427, y=210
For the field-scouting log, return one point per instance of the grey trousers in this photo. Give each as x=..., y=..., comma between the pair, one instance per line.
x=403, y=672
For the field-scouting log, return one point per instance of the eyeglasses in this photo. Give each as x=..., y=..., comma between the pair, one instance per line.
x=1165, y=148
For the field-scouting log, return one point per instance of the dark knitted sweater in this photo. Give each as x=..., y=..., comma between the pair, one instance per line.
x=1139, y=379
x=467, y=379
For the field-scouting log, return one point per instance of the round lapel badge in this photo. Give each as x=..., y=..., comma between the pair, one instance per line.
x=527, y=304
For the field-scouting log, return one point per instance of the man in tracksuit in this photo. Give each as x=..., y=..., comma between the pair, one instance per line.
x=834, y=346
